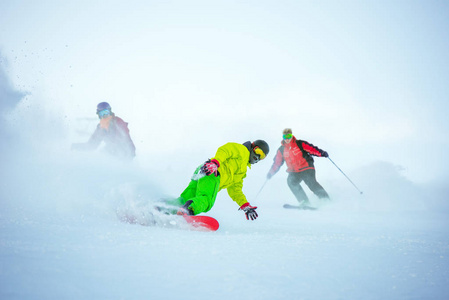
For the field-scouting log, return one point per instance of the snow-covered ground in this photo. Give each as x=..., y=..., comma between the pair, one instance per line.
x=61, y=238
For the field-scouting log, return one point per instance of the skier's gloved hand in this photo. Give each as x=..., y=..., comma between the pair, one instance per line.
x=325, y=154
x=269, y=175
x=250, y=211
x=211, y=166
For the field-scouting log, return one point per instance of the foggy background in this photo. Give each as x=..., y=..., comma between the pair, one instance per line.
x=365, y=81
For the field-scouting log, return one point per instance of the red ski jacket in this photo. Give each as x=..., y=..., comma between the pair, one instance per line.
x=117, y=140
x=297, y=154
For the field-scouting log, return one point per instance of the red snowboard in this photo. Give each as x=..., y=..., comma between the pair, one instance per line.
x=202, y=223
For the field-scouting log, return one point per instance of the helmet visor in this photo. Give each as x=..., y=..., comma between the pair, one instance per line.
x=104, y=113
x=287, y=136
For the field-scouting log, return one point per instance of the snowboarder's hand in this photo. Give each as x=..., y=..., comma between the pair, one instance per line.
x=211, y=166
x=250, y=211
x=325, y=154
x=185, y=209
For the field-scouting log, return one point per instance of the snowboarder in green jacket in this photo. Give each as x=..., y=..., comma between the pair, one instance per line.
x=226, y=170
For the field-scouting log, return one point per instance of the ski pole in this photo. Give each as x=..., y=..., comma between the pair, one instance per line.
x=345, y=176
x=261, y=189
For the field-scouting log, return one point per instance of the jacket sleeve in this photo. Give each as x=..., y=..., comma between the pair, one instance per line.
x=278, y=161
x=93, y=142
x=311, y=149
x=234, y=159
x=235, y=191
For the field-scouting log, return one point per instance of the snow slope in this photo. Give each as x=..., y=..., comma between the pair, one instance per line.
x=61, y=239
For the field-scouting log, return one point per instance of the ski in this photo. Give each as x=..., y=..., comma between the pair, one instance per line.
x=302, y=207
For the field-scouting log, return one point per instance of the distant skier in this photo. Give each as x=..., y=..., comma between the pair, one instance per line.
x=111, y=130
x=298, y=156
x=224, y=171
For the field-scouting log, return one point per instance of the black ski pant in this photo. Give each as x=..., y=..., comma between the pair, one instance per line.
x=309, y=178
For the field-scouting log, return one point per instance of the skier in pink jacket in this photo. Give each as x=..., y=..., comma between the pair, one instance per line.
x=111, y=130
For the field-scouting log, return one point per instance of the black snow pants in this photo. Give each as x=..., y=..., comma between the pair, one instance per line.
x=309, y=178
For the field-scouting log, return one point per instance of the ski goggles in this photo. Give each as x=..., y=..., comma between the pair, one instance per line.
x=259, y=152
x=287, y=136
x=104, y=113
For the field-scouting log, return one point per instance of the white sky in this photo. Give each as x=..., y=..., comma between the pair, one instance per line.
x=364, y=80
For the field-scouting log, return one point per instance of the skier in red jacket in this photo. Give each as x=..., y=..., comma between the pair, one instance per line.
x=298, y=156
x=111, y=130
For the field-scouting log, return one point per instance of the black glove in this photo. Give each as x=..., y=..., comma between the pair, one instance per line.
x=185, y=209
x=210, y=166
x=325, y=154
x=250, y=211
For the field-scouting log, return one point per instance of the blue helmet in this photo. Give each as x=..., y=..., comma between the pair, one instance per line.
x=102, y=106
